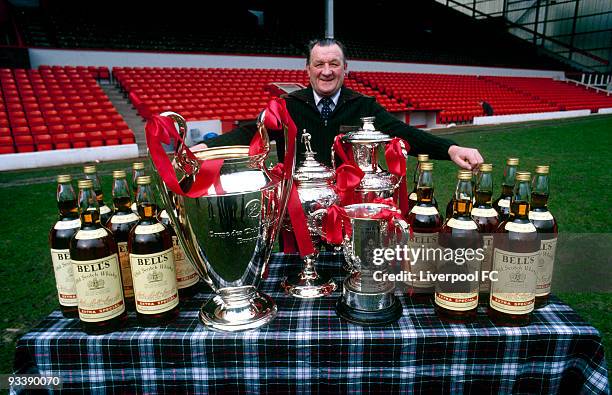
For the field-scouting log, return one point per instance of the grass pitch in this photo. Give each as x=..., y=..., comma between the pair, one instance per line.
x=577, y=150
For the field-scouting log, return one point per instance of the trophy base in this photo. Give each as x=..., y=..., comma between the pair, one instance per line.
x=305, y=287
x=258, y=310
x=386, y=315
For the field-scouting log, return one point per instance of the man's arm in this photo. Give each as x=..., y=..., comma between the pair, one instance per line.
x=422, y=142
x=241, y=135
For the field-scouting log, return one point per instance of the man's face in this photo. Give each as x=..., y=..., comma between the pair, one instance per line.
x=326, y=69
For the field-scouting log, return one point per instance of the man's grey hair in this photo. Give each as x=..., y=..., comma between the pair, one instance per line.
x=325, y=42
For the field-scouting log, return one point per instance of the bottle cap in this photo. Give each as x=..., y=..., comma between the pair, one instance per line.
x=486, y=167
x=89, y=169
x=523, y=176
x=512, y=161
x=118, y=174
x=423, y=157
x=84, y=184
x=464, y=175
x=427, y=166
x=542, y=169
x=138, y=165
x=143, y=180
x=64, y=178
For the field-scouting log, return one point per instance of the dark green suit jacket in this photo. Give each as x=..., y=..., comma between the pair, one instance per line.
x=350, y=108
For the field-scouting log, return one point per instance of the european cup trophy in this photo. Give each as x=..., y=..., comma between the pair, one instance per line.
x=228, y=230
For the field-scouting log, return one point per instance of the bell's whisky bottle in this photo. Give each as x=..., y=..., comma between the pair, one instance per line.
x=138, y=169
x=186, y=277
x=502, y=203
x=516, y=250
x=457, y=301
x=59, y=241
x=546, y=226
x=487, y=219
x=425, y=222
x=412, y=198
x=91, y=173
x=97, y=273
x=152, y=262
x=121, y=223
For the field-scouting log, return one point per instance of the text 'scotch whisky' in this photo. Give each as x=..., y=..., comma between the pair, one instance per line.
x=502, y=203
x=547, y=228
x=425, y=222
x=486, y=217
x=152, y=262
x=138, y=170
x=457, y=301
x=187, y=278
x=91, y=173
x=59, y=241
x=97, y=273
x=121, y=223
x=516, y=250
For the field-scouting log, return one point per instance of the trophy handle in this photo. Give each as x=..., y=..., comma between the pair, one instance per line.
x=315, y=222
x=333, y=158
x=404, y=228
x=184, y=162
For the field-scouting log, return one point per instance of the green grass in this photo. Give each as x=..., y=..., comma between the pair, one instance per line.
x=578, y=152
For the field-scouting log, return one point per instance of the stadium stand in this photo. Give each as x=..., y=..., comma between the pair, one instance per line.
x=57, y=107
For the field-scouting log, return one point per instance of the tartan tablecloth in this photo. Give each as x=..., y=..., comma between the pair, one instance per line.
x=308, y=349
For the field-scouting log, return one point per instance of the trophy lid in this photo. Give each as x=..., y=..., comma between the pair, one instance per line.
x=310, y=170
x=367, y=134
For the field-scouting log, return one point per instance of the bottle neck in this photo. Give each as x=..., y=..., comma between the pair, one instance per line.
x=121, y=196
x=135, y=175
x=145, y=201
x=425, y=187
x=483, y=190
x=519, y=206
x=67, y=201
x=462, y=202
x=539, y=192
x=509, y=174
x=415, y=175
x=88, y=209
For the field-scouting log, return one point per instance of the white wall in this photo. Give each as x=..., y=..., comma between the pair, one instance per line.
x=150, y=59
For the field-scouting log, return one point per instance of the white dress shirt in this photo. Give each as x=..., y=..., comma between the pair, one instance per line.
x=318, y=98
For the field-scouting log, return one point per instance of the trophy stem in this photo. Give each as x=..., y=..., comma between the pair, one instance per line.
x=308, y=283
x=238, y=309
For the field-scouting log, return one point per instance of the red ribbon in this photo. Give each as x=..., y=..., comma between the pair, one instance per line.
x=336, y=224
x=348, y=174
x=277, y=116
x=343, y=150
x=396, y=162
x=387, y=201
x=160, y=130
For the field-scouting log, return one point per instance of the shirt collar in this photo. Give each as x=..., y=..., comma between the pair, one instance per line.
x=334, y=98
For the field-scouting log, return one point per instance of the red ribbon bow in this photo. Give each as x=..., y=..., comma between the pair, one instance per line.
x=348, y=174
x=336, y=224
x=396, y=152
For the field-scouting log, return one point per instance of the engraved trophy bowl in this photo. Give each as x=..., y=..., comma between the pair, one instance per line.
x=228, y=232
x=365, y=144
x=314, y=184
x=368, y=295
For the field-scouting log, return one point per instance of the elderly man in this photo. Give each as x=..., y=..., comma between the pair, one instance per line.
x=326, y=105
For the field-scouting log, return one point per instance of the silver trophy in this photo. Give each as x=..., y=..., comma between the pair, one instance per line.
x=366, y=143
x=228, y=233
x=368, y=294
x=314, y=183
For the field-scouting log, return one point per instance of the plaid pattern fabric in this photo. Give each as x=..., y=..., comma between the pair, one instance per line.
x=308, y=349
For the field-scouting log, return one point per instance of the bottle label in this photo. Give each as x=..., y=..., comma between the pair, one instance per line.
x=60, y=225
x=487, y=262
x=426, y=243
x=424, y=210
x=504, y=203
x=457, y=301
x=149, y=229
x=64, y=277
x=124, y=219
x=186, y=275
x=514, y=290
x=540, y=216
x=126, y=273
x=134, y=208
x=484, y=212
x=413, y=196
x=465, y=225
x=91, y=234
x=545, y=266
x=99, y=288
x=104, y=210
x=520, y=228
x=154, y=282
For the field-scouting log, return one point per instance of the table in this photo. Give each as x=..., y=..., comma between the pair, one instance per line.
x=308, y=349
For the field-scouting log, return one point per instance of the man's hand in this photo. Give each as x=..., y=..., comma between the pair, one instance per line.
x=466, y=158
